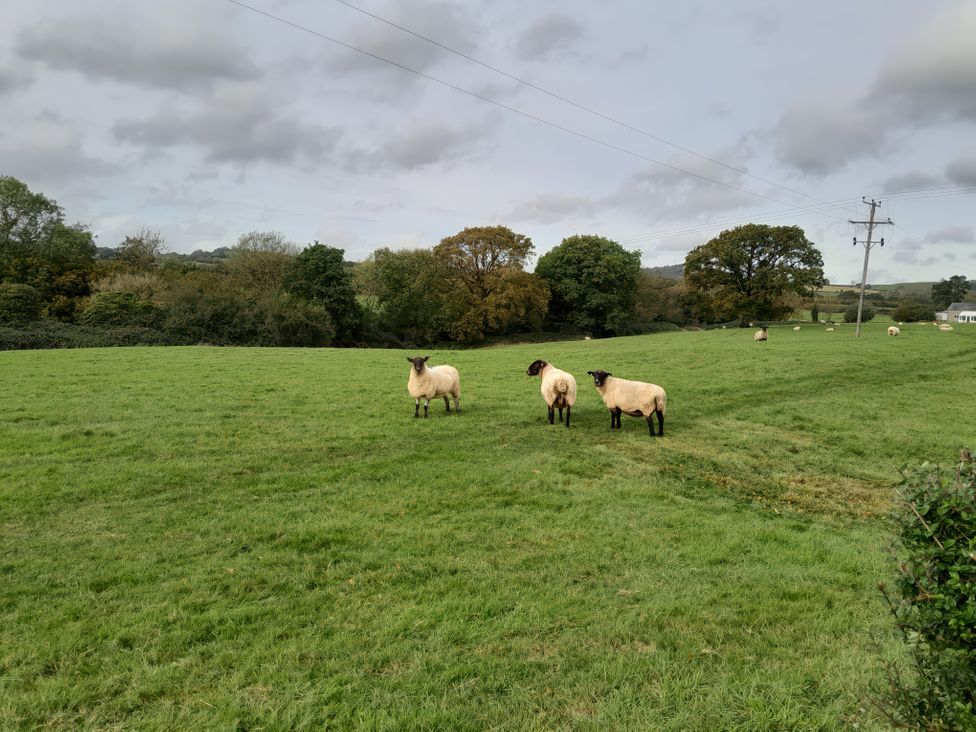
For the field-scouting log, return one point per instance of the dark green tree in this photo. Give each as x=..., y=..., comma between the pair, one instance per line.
x=747, y=272
x=593, y=282
x=412, y=288
x=867, y=313
x=949, y=291
x=320, y=274
x=911, y=311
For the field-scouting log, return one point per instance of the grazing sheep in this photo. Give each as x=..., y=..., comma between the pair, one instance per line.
x=760, y=335
x=945, y=327
x=587, y=338
x=636, y=398
x=558, y=389
x=894, y=330
x=432, y=382
x=796, y=327
x=830, y=330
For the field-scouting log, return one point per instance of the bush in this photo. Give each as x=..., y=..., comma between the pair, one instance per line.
x=867, y=314
x=55, y=334
x=19, y=303
x=120, y=309
x=911, y=311
x=291, y=321
x=934, y=601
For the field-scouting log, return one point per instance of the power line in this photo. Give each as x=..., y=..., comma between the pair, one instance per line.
x=577, y=105
x=515, y=110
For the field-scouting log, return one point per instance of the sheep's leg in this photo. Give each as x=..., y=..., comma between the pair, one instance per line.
x=569, y=410
x=613, y=419
x=650, y=423
x=619, y=412
x=457, y=405
x=416, y=408
x=447, y=404
x=660, y=423
x=560, y=415
x=552, y=415
x=426, y=402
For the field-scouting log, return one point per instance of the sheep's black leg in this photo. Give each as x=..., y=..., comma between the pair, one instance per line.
x=613, y=419
x=560, y=415
x=426, y=402
x=457, y=405
x=416, y=408
x=660, y=423
x=650, y=423
x=569, y=410
x=447, y=404
x=552, y=415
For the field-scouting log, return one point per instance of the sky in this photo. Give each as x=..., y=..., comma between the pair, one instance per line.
x=656, y=124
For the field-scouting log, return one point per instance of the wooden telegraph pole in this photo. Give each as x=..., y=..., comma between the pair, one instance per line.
x=871, y=223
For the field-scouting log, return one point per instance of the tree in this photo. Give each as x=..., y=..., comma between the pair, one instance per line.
x=593, y=282
x=260, y=263
x=867, y=314
x=320, y=274
x=491, y=290
x=949, y=291
x=25, y=218
x=747, y=271
x=911, y=311
x=413, y=290
x=139, y=251
x=660, y=300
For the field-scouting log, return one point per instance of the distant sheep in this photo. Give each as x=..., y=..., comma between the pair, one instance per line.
x=558, y=389
x=894, y=330
x=433, y=382
x=636, y=398
x=760, y=335
x=830, y=330
x=796, y=327
x=945, y=327
x=587, y=338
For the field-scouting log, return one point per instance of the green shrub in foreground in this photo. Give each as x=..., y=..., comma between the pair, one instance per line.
x=934, y=600
x=867, y=314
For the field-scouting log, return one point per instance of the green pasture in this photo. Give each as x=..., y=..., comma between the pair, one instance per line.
x=231, y=538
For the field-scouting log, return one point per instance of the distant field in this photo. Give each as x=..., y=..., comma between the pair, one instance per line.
x=205, y=538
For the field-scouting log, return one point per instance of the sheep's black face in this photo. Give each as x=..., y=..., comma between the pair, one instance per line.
x=418, y=363
x=535, y=367
x=599, y=377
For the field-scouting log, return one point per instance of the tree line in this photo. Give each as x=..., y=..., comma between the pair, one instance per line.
x=58, y=288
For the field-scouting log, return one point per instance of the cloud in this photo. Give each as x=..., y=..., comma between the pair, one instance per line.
x=547, y=37
x=910, y=181
x=423, y=143
x=238, y=124
x=441, y=21
x=952, y=235
x=49, y=150
x=763, y=21
x=548, y=208
x=911, y=252
x=170, y=47
x=962, y=172
x=11, y=80
x=926, y=80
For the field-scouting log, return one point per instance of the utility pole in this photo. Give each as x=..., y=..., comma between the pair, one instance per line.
x=871, y=223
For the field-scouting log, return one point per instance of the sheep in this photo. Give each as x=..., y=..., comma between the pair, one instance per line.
x=796, y=327
x=636, y=398
x=830, y=330
x=431, y=382
x=558, y=389
x=760, y=335
x=893, y=330
x=945, y=327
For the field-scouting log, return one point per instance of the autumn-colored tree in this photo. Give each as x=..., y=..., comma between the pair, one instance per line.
x=491, y=292
x=748, y=271
x=260, y=262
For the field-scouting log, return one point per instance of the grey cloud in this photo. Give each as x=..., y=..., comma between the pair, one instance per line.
x=165, y=49
x=444, y=22
x=49, y=150
x=549, y=208
x=763, y=21
x=237, y=127
x=910, y=181
x=548, y=36
x=927, y=80
x=962, y=172
x=422, y=144
x=911, y=252
x=11, y=80
x=952, y=235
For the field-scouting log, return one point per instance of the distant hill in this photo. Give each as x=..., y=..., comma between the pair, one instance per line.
x=670, y=271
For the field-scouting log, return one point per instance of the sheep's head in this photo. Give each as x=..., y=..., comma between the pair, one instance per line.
x=418, y=363
x=536, y=367
x=599, y=377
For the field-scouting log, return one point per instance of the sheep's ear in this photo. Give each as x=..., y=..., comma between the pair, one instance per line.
x=590, y=373
x=425, y=358
x=607, y=374
x=409, y=359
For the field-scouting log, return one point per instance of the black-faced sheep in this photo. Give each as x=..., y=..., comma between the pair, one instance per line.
x=760, y=335
x=894, y=330
x=636, y=398
x=558, y=389
x=432, y=382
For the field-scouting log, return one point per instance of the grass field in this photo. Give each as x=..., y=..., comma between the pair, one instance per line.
x=205, y=538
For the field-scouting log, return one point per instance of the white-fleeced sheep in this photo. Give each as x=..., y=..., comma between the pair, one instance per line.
x=558, y=389
x=636, y=398
x=945, y=327
x=894, y=330
x=433, y=382
x=830, y=330
x=760, y=335
x=796, y=327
